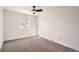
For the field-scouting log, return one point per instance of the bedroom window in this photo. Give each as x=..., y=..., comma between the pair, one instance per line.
x=24, y=23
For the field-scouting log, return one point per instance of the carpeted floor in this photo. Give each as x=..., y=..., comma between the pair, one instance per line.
x=34, y=44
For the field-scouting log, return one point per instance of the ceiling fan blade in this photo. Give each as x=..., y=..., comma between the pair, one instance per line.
x=39, y=10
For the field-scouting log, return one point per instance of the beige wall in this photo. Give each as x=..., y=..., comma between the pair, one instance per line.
x=1, y=26
x=12, y=28
x=60, y=25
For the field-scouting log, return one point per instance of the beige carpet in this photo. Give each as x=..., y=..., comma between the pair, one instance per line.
x=33, y=44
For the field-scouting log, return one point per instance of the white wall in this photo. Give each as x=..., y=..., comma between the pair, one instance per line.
x=1, y=26
x=60, y=25
x=12, y=28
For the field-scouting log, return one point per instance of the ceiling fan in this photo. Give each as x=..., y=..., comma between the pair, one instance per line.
x=34, y=10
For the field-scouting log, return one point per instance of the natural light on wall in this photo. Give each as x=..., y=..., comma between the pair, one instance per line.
x=24, y=23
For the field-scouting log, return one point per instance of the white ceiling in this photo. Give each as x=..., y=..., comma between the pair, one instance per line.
x=27, y=9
